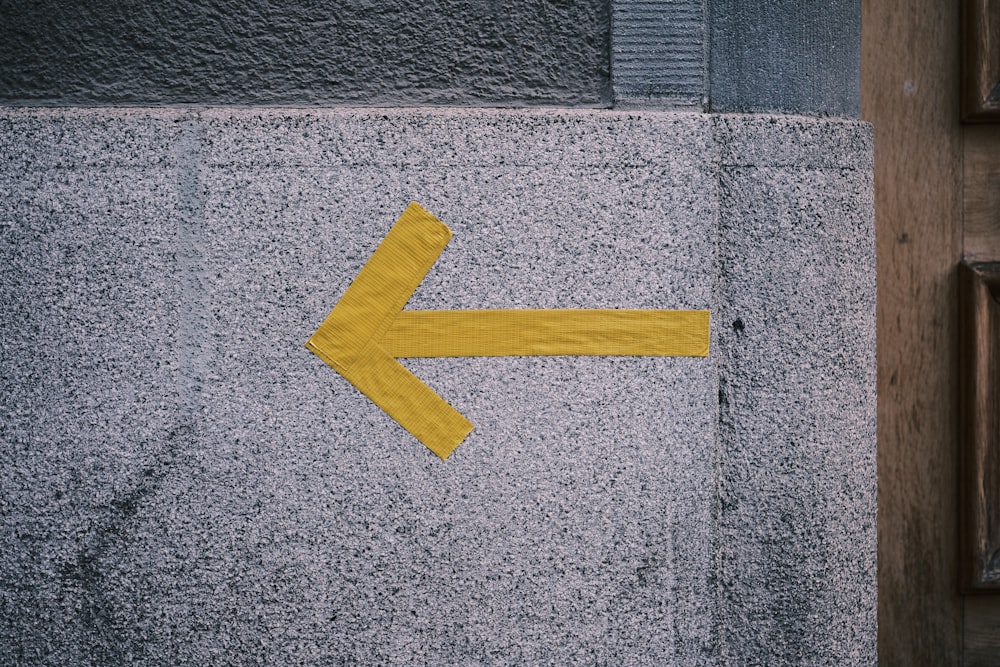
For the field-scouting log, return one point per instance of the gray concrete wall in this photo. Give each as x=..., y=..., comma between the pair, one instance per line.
x=719, y=55
x=184, y=481
x=797, y=365
x=254, y=52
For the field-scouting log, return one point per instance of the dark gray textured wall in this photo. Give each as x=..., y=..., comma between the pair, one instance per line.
x=786, y=56
x=719, y=55
x=730, y=56
x=307, y=52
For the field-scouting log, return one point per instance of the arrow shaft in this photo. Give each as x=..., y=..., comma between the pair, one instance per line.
x=498, y=333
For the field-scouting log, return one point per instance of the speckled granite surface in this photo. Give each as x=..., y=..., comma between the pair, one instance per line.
x=184, y=483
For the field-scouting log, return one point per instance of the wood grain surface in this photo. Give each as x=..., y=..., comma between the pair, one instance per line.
x=981, y=67
x=981, y=215
x=910, y=93
x=982, y=631
x=982, y=192
x=979, y=425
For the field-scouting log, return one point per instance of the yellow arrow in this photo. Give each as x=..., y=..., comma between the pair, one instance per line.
x=368, y=329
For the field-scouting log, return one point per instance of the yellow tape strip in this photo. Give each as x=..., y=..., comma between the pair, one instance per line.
x=367, y=330
x=499, y=333
x=414, y=405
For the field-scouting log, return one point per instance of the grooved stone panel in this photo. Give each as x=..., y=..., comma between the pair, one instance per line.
x=307, y=52
x=659, y=53
x=184, y=483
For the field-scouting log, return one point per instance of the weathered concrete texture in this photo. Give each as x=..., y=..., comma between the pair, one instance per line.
x=785, y=56
x=378, y=52
x=184, y=482
x=94, y=376
x=796, y=358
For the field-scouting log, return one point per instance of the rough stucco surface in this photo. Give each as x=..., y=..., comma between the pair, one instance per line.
x=183, y=481
x=254, y=52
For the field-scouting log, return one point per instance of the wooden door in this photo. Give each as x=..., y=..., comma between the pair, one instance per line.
x=937, y=185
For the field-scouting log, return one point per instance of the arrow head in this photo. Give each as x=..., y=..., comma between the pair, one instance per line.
x=349, y=339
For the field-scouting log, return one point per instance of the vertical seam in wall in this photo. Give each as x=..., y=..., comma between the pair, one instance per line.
x=960, y=481
x=706, y=63
x=708, y=53
x=98, y=609
x=720, y=367
x=612, y=70
x=961, y=632
x=961, y=195
x=192, y=324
